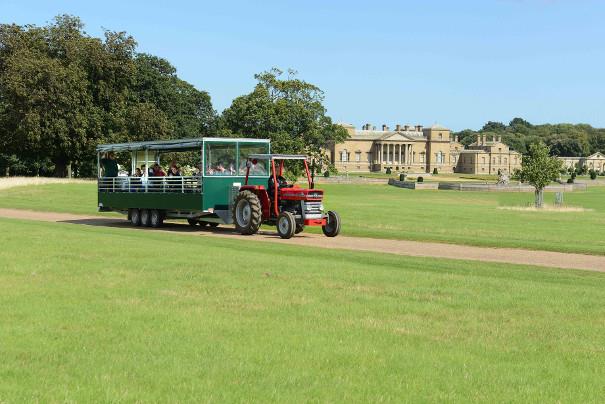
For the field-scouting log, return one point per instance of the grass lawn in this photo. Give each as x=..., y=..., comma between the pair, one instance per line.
x=384, y=211
x=470, y=218
x=116, y=315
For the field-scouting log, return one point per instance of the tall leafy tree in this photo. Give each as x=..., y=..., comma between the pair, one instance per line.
x=538, y=169
x=563, y=139
x=287, y=110
x=62, y=92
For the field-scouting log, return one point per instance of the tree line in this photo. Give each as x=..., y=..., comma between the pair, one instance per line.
x=63, y=92
x=562, y=139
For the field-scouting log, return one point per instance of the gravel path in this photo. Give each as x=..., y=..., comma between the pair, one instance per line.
x=399, y=247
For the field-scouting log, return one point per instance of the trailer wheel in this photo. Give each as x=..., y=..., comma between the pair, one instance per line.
x=135, y=217
x=212, y=224
x=332, y=228
x=157, y=218
x=145, y=218
x=192, y=222
x=247, y=213
x=299, y=228
x=286, y=225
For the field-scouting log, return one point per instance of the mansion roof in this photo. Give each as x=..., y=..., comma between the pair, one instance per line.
x=386, y=135
x=597, y=155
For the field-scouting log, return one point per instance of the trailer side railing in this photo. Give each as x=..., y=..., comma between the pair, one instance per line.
x=161, y=185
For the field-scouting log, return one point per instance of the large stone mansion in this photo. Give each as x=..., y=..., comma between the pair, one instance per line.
x=420, y=150
x=593, y=162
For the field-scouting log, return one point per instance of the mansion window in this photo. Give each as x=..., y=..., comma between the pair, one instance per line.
x=483, y=160
x=422, y=157
x=358, y=156
x=344, y=156
x=439, y=158
x=505, y=160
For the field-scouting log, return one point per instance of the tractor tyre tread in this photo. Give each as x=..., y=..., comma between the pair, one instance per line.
x=291, y=225
x=256, y=216
x=332, y=229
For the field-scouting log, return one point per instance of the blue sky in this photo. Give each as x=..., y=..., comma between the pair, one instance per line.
x=458, y=63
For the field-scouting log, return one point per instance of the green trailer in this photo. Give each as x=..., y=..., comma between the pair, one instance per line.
x=204, y=197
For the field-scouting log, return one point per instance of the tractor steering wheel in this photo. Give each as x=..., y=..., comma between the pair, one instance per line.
x=281, y=182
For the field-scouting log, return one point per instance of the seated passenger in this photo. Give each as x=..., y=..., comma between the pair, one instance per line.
x=174, y=171
x=220, y=169
x=258, y=169
x=158, y=171
x=136, y=182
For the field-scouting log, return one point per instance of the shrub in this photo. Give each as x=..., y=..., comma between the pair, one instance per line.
x=389, y=170
x=326, y=173
x=593, y=175
x=435, y=172
x=420, y=179
x=573, y=175
x=569, y=181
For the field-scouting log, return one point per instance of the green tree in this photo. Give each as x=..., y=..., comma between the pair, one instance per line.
x=290, y=112
x=538, y=169
x=62, y=92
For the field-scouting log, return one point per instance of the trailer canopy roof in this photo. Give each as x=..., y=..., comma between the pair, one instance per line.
x=278, y=156
x=175, y=144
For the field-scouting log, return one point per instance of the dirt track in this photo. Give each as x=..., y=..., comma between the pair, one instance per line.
x=399, y=247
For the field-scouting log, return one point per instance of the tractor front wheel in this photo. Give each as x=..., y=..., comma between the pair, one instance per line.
x=247, y=213
x=286, y=225
x=332, y=227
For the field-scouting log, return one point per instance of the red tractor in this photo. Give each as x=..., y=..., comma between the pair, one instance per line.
x=287, y=206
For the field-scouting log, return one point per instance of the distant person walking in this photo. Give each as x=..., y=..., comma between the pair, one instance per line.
x=110, y=165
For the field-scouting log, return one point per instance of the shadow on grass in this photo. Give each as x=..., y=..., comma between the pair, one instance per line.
x=172, y=227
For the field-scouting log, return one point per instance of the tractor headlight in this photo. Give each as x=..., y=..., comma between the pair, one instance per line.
x=321, y=207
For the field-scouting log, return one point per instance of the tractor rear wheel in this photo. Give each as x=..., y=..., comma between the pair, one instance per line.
x=145, y=217
x=135, y=217
x=286, y=225
x=247, y=213
x=332, y=227
x=157, y=218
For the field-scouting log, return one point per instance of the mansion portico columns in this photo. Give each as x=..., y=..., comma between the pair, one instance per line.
x=393, y=153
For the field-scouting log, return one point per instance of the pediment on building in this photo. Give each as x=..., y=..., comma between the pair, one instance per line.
x=397, y=137
x=597, y=155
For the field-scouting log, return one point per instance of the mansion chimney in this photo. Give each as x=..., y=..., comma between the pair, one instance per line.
x=483, y=140
x=398, y=127
x=385, y=128
x=478, y=140
x=406, y=127
x=418, y=128
x=494, y=138
x=368, y=126
x=499, y=138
